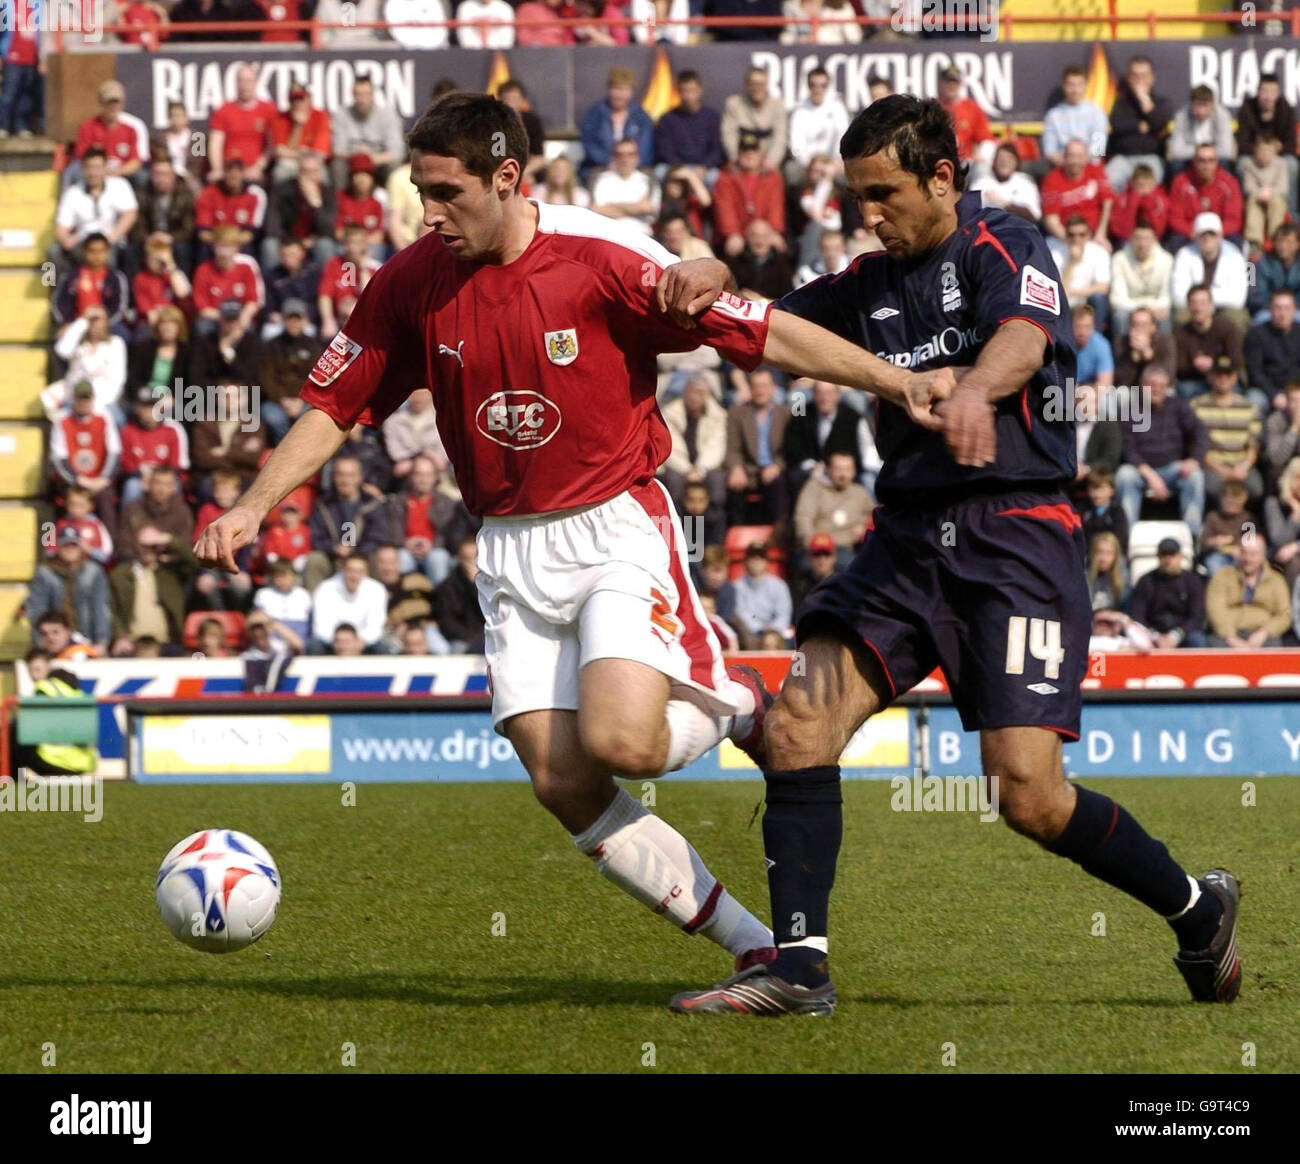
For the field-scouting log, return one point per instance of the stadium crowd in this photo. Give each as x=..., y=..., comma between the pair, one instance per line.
x=197, y=288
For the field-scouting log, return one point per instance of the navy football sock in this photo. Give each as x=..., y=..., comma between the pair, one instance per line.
x=1107, y=842
x=802, y=828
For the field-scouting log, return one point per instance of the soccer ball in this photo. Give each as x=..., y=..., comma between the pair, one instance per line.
x=218, y=890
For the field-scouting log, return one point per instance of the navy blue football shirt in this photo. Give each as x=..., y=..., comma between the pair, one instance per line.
x=939, y=311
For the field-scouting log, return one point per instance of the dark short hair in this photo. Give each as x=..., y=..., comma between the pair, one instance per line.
x=1199, y=287
x=687, y=75
x=920, y=132
x=479, y=130
x=1284, y=291
x=1202, y=93
x=94, y=152
x=95, y=236
x=818, y=72
x=1100, y=477
x=37, y=653
x=1273, y=77
x=54, y=616
x=1074, y=71
x=1075, y=220
x=1286, y=228
x=347, y=626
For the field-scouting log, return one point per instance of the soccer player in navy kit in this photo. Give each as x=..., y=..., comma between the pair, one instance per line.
x=974, y=563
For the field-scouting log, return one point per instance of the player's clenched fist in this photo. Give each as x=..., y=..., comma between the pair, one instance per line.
x=923, y=391
x=969, y=426
x=225, y=537
x=686, y=289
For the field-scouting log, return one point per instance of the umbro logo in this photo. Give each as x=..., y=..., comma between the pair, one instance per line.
x=768, y=862
x=1043, y=689
x=884, y=313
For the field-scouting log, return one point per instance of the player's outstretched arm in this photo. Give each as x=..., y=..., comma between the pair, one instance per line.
x=804, y=349
x=312, y=440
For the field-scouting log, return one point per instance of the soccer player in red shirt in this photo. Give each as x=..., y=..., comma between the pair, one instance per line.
x=1078, y=186
x=534, y=326
x=242, y=129
x=231, y=202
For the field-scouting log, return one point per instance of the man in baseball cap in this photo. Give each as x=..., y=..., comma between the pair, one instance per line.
x=1215, y=261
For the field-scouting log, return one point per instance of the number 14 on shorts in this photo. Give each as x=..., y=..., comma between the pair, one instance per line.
x=1043, y=637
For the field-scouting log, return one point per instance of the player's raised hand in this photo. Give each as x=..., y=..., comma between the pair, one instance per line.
x=968, y=426
x=686, y=289
x=924, y=390
x=230, y=533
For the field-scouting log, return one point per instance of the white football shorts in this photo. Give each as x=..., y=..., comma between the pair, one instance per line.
x=607, y=581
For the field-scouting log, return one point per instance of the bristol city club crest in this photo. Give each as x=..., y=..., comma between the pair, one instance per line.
x=561, y=346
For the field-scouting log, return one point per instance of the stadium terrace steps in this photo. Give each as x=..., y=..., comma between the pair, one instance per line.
x=24, y=308
x=15, y=631
x=23, y=376
x=27, y=204
x=22, y=461
x=18, y=557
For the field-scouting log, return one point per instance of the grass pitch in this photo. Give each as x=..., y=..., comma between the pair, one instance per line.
x=945, y=931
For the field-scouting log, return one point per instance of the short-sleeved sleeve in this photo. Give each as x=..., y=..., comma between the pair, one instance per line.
x=817, y=302
x=374, y=363
x=1015, y=276
x=736, y=327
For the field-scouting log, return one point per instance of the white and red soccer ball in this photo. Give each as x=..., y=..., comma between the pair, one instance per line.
x=218, y=890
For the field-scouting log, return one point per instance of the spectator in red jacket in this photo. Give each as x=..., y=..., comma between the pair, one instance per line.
x=227, y=275
x=122, y=136
x=79, y=515
x=231, y=202
x=152, y=437
x=93, y=284
x=286, y=539
x=85, y=448
x=301, y=127
x=1143, y=200
x=160, y=284
x=1078, y=186
x=242, y=129
x=745, y=192
x=360, y=204
x=975, y=143
x=1205, y=186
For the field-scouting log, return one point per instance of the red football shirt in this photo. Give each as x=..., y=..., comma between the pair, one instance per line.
x=90, y=289
x=543, y=371
x=315, y=134
x=1083, y=195
x=243, y=282
x=247, y=130
x=164, y=444
x=340, y=279
x=120, y=141
x=353, y=211
x=216, y=206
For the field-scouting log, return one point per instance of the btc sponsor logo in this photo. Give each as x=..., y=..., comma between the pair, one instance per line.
x=518, y=419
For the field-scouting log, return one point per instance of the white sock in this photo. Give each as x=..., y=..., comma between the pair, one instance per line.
x=692, y=731
x=650, y=860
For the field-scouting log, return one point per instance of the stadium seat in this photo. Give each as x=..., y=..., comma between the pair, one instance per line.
x=15, y=630
x=232, y=620
x=740, y=537
x=25, y=374
x=1144, y=539
x=27, y=223
x=22, y=460
x=18, y=547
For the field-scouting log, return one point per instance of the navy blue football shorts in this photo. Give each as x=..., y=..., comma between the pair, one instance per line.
x=991, y=589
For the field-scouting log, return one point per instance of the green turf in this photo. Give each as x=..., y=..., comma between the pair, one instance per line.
x=946, y=931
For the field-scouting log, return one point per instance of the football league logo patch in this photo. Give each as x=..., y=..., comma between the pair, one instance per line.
x=1039, y=290
x=561, y=346
x=334, y=361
